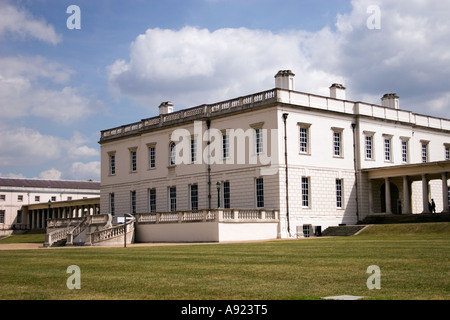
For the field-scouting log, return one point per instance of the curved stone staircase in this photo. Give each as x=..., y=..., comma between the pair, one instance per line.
x=92, y=230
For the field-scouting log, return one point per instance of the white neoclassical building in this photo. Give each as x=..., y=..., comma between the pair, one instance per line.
x=267, y=164
x=28, y=203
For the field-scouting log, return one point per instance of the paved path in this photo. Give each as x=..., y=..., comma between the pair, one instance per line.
x=29, y=246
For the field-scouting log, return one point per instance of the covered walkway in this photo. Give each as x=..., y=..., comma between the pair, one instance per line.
x=390, y=188
x=37, y=214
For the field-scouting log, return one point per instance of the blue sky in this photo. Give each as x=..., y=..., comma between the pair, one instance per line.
x=60, y=87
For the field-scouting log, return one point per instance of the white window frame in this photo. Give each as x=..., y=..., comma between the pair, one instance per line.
x=339, y=193
x=304, y=138
x=369, y=136
x=259, y=189
x=306, y=192
x=172, y=196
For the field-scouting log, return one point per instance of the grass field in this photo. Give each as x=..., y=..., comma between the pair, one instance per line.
x=414, y=260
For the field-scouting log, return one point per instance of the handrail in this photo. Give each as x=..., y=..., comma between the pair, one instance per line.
x=112, y=232
x=219, y=215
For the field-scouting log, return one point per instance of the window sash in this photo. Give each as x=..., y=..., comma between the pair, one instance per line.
x=305, y=192
x=339, y=193
x=387, y=149
x=259, y=140
x=152, y=157
x=194, y=197
x=337, y=143
x=226, y=194
x=133, y=161
x=369, y=143
x=404, y=151
x=152, y=200
x=259, y=192
x=172, y=199
x=303, y=140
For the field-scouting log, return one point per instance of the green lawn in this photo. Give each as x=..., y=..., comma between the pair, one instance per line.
x=414, y=260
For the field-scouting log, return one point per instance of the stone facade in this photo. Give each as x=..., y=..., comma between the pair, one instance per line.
x=333, y=145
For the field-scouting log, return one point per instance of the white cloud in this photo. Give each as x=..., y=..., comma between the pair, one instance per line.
x=190, y=66
x=20, y=23
x=85, y=171
x=193, y=66
x=22, y=146
x=29, y=148
x=30, y=86
x=50, y=174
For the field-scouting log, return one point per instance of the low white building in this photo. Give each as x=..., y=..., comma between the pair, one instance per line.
x=280, y=157
x=17, y=194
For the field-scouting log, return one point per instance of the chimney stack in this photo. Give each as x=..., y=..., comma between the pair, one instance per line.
x=166, y=107
x=337, y=91
x=390, y=100
x=284, y=79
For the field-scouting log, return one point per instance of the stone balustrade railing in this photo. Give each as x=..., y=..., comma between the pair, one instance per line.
x=199, y=111
x=218, y=215
x=282, y=96
x=110, y=233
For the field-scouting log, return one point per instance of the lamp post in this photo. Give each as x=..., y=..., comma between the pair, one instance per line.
x=218, y=194
x=285, y=116
x=49, y=207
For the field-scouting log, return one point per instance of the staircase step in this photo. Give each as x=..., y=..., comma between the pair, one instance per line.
x=342, y=231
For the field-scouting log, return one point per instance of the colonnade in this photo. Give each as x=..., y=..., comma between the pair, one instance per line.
x=37, y=214
x=407, y=181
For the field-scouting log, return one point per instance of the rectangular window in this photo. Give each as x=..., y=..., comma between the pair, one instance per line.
x=369, y=143
x=19, y=216
x=404, y=151
x=304, y=140
x=172, y=199
x=259, y=140
x=259, y=192
x=194, y=196
x=226, y=194
x=152, y=200
x=387, y=149
x=2, y=216
x=337, y=144
x=225, y=146
x=424, y=152
x=305, y=192
x=111, y=204
x=193, y=150
x=447, y=152
x=112, y=164
x=133, y=201
x=172, y=152
x=37, y=198
x=151, y=157
x=69, y=198
x=2, y=197
x=20, y=197
x=339, y=193
x=53, y=198
x=133, y=161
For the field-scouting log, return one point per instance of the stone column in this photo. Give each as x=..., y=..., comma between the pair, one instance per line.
x=387, y=191
x=370, y=197
x=426, y=209
x=444, y=193
x=406, y=195
x=33, y=219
